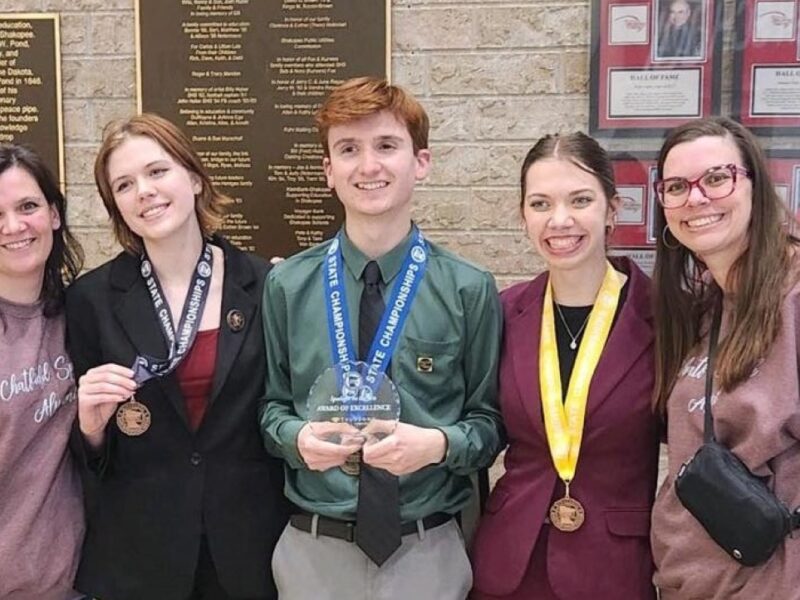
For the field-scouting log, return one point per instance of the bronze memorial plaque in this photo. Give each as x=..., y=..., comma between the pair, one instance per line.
x=243, y=79
x=30, y=86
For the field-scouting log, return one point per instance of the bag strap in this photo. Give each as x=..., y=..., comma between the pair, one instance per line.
x=708, y=418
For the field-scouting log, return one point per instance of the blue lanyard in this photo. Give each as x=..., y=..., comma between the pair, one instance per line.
x=394, y=317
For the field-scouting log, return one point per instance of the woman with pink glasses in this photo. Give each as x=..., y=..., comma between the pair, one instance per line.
x=724, y=249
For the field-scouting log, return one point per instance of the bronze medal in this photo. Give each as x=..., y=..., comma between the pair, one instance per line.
x=133, y=418
x=564, y=418
x=567, y=514
x=352, y=464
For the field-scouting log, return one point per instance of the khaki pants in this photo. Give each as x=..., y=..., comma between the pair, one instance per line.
x=431, y=565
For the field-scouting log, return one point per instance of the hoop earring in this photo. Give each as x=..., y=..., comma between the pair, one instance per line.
x=611, y=227
x=664, y=239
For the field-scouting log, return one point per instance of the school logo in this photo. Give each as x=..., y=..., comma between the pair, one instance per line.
x=334, y=247
x=425, y=364
x=147, y=268
x=235, y=319
x=204, y=269
x=417, y=254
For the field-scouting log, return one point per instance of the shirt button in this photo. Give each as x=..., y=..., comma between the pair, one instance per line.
x=196, y=459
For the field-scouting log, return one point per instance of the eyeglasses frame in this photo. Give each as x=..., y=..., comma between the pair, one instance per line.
x=733, y=167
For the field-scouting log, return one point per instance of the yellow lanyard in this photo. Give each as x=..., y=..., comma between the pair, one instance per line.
x=564, y=419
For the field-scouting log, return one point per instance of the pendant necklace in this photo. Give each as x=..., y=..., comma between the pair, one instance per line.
x=574, y=338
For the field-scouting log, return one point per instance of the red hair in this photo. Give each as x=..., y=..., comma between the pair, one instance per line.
x=364, y=96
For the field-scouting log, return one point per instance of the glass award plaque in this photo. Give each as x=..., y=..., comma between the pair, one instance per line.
x=348, y=406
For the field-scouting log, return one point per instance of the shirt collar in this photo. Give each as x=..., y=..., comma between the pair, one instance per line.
x=389, y=263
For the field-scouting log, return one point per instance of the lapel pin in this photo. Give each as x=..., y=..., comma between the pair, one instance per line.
x=425, y=364
x=235, y=319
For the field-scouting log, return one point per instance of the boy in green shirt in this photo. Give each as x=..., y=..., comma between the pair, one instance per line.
x=377, y=519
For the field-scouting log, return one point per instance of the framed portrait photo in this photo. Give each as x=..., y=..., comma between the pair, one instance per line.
x=655, y=65
x=680, y=30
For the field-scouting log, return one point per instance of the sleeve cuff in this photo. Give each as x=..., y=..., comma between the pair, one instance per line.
x=96, y=459
x=456, y=442
x=288, y=433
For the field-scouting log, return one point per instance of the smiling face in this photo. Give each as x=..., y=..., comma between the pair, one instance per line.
x=566, y=213
x=715, y=230
x=373, y=167
x=27, y=223
x=153, y=192
x=679, y=13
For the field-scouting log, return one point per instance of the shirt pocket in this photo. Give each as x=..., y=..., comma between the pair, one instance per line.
x=429, y=371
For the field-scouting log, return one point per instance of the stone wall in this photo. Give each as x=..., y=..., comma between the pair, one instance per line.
x=493, y=74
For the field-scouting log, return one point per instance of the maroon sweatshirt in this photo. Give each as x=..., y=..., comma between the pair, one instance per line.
x=759, y=421
x=41, y=515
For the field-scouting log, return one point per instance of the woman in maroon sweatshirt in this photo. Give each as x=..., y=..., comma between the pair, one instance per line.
x=41, y=517
x=725, y=242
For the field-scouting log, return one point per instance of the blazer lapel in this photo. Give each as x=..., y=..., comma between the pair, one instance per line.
x=239, y=306
x=631, y=336
x=133, y=308
x=523, y=329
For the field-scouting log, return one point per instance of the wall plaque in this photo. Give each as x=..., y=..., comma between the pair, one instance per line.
x=243, y=78
x=634, y=174
x=766, y=86
x=784, y=167
x=655, y=64
x=30, y=86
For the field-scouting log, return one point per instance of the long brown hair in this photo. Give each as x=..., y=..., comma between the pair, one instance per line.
x=209, y=203
x=66, y=256
x=684, y=291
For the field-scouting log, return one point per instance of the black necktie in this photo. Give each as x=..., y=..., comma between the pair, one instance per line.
x=378, y=511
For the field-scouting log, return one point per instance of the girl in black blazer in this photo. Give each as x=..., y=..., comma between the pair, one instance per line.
x=182, y=500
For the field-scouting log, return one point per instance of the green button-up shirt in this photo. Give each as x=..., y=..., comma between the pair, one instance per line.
x=455, y=321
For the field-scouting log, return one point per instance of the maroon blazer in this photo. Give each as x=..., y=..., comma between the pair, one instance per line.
x=609, y=556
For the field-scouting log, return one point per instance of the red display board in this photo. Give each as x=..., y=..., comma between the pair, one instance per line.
x=766, y=83
x=636, y=232
x=634, y=175
x=784, y=167
x=655, y=64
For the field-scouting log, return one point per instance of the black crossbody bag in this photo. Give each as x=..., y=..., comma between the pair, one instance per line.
x=735, y=507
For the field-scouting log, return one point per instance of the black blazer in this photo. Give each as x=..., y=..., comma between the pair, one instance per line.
x=150, y=498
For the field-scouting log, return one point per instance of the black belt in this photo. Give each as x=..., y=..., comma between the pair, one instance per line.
x=346, y=530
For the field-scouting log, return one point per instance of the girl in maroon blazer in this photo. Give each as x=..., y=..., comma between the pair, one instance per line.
x=570, y=518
